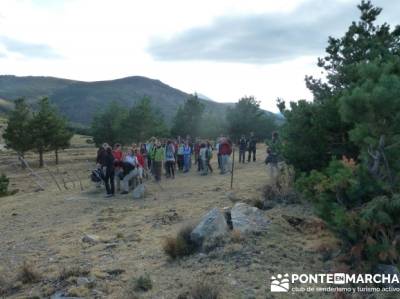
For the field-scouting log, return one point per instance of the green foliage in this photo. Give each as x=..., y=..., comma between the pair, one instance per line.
x=246, y=116
x=48, y=130
x=143, y=283
x=355, y=117
x=117, y=124
x=357, y=209
x=4, y=182
x=42, y=130
x=18, y=135
x=142, y=122
x=188, y=118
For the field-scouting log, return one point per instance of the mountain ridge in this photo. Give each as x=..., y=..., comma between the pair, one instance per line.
x=79, y=100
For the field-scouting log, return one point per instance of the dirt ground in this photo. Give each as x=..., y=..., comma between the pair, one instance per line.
x=45, y=230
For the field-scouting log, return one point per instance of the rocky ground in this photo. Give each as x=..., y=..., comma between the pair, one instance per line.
x=124, y=237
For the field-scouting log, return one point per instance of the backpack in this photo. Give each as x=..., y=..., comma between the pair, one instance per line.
x=97, y=175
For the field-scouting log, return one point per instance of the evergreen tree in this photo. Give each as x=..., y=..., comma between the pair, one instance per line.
x=62, y=138
x=364, y=41
x=247, y=116
x=47, y=129
x=143, y=121
x=18, y=134
x=107, y=125
x=188, y=118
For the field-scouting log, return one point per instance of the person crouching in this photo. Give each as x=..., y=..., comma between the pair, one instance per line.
x=130, y=171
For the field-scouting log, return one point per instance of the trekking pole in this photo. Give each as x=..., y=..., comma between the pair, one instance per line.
x=233, y=167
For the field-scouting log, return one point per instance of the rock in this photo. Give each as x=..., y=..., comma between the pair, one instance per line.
x=91, y=239
x=61, y=295
x=139, y=191
x=246, y=218
x=85, y=281
x=232, y=196
x=211, y=226
x=388, y=269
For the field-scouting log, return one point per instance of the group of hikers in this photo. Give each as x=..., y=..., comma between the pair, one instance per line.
x=140, y=162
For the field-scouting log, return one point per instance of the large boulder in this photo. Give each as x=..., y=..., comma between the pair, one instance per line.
x=211, y=226
x=139, y=191
x=246, y=218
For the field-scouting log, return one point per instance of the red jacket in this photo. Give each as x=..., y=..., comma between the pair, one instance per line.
x=225, y=148
x=117, y=155
x=140, y=159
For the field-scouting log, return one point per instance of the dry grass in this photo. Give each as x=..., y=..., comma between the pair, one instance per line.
x=204, y=290
x=28, y=274
x=74, y=271
x=236, y=236
x=180, y=245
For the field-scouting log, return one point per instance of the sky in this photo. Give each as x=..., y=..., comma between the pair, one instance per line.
x=223, y=49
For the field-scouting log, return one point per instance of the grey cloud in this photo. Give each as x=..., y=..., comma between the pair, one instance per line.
x=266, y=38
x=31, y=50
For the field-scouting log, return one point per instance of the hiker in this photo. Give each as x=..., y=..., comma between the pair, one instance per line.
x=187, y=156
x=242, y=149
x=225, y=149
x=273, y=156
x=197, y=159
x=117, y=153
x=252, y=144
x=158, y=156
x=170, y=159
x=149, y=150
x=108, y=168
x=101, y=154
x=143, y=153
x=130, y=170
x=180, y=158
x=203, y=158
x=209, y=156
x=141, y=165
x=217, y=144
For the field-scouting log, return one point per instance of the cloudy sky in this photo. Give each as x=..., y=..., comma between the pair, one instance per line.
x=224, y=49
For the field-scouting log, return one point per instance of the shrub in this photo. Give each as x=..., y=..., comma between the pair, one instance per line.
x=143, y=283
x=74, y=271
x=28, y=274
x=4, y=182
x=181, y=245
x=358, y=209
x=204, y=290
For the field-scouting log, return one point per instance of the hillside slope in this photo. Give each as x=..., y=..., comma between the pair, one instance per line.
x=79, y=100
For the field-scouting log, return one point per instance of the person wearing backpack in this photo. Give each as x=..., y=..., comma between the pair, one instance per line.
x=158, y=160
x=170, y=159
x=225, y=149
x=130, y=171
x=252, y=147
x=209, y=156
x=242, y=149
x=109, y=172
x=187, y=156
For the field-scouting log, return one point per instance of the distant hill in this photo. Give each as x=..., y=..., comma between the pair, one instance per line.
x=79, y=100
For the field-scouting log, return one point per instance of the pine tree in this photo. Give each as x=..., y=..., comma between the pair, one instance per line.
x=18, y=134
x=48, y=130
x=246, y=116
x=188, y=118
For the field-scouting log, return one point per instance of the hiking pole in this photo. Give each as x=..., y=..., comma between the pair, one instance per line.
x=233, y=166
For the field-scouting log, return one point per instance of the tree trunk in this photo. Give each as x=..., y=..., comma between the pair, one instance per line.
x=56, y=152
x=41, y=159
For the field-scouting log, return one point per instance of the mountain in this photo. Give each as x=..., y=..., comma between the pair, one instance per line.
x=79, y=100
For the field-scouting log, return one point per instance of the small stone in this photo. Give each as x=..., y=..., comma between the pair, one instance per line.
x=91, y=239
x=139, y=192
